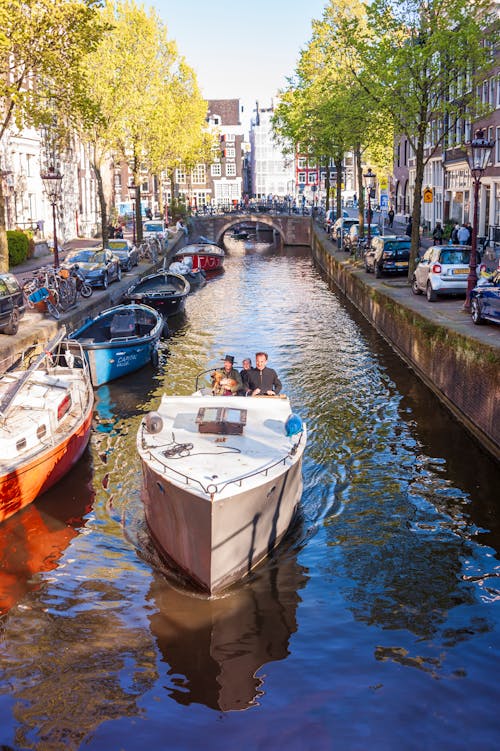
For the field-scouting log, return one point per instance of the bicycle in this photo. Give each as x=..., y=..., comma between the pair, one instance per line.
x=148, y=250
x=44, y=300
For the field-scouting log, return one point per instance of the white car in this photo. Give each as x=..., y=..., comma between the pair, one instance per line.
x=443, y=270
x=155, y=228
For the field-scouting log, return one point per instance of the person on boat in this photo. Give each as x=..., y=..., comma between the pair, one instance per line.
x=227, y=382
x=261, y=379
x=247, y=367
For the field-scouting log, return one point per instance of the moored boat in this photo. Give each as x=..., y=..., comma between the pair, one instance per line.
x=120, y=340
x=164, y=291
x=45, y=421
x=222, y=481
x=206, y=256
x=195, y=277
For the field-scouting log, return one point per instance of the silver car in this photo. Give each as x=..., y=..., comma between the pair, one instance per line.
x=443, y=270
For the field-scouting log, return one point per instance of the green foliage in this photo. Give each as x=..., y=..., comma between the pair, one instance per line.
x=18, y=244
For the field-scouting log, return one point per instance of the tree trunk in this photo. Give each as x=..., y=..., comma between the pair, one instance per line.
x=102, y=204
x=361, y=195
x=138, y=213
x=4, y=247
x=327, y=183
x=417, y=193
x=338, y=169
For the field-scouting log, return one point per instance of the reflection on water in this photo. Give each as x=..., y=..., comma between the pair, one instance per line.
x=34, y=540
x=399, y=536
x=215, y=647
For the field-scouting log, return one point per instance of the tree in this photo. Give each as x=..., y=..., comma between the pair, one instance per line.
x=42, y=44
x=420, y=63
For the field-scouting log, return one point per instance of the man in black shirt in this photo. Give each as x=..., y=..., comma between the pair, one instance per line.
x=261, y=379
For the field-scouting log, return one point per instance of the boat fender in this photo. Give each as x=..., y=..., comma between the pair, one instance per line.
x=293, y=425
x=155, y=359
x=153, y=423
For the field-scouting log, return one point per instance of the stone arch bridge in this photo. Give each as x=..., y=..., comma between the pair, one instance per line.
x=293, y=229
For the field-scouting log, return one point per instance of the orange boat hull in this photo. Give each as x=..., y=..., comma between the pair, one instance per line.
x=21, y=486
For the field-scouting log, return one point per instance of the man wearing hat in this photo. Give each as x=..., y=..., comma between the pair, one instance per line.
x=230, y=383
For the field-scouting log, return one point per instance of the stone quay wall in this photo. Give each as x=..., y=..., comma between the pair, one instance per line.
x=461, y=370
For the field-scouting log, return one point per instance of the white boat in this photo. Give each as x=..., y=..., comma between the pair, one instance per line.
x=222, y=481
x=45, y=422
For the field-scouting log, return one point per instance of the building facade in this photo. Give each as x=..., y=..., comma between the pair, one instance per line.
x=272, y=174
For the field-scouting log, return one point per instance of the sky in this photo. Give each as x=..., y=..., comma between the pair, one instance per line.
x=240, y=51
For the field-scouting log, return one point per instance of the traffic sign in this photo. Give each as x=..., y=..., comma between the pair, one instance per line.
x=384, y=201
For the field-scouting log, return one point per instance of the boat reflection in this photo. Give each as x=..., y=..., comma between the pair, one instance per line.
x=34, y=540
x=215, y=647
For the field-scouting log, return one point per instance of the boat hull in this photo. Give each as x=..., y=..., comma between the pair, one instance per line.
x=109, y=363
x=167, y=306
x=20, y=487
x=218, y=543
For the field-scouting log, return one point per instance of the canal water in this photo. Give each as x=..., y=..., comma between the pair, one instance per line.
x=376, y=624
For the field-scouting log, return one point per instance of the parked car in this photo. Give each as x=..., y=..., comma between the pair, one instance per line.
x=341, y=228
x=99, y=266
x=12, y=307
x=126, y=252
x=351, y=238
x=443, y=270
x=388, y=255
x=485, y=299
x=155, y=228
x=330, y=217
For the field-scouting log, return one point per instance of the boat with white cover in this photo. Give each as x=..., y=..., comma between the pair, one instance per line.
x=222, y=481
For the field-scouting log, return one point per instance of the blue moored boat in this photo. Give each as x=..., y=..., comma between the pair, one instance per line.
x=120, y=340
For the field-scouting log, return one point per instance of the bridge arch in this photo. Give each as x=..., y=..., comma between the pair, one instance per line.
x=232, y=221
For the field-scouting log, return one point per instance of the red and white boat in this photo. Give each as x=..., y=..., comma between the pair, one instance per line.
x=206, y=256
x=45, y=421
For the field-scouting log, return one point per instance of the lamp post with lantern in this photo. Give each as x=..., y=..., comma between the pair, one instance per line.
x=369, y=178
x=52, y=184
x=478, y=155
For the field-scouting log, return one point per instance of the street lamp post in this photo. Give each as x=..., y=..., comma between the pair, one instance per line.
x=369, y=179
x=478, y=156
x=52, y=183
x=133, y=193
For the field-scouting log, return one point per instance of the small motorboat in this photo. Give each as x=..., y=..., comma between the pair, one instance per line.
x=164, y=291
x=45, y=420
x=222, y=480
x=120, y=340
x=195, y=277
x=206, y=256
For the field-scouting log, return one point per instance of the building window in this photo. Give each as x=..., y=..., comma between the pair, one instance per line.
x=230, y=137
x=230, y=169
x=230, y=152
x=215, y=170
x=301, y=163
x=313, y=178
x=301, y=178
x=180, y=175
x=198, y=175
x=497, y=147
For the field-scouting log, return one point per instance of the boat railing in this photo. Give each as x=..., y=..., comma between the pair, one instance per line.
x=212, y=488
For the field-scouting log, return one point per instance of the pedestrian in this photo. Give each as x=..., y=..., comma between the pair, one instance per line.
x=263, y=380
x=409, y=226
x=469, y=227
x=181, y=227
x=390, y=217
x=437, y=235
x=454, y=234
x=463, y=234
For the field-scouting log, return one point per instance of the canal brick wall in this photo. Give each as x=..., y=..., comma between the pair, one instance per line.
x=458, y=361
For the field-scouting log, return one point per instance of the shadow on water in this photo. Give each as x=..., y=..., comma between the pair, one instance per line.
x=214, y=647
